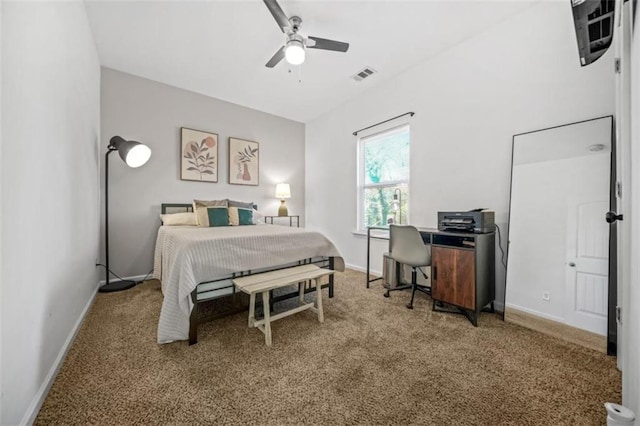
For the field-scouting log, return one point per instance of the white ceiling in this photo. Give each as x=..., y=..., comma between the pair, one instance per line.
x=219, y=48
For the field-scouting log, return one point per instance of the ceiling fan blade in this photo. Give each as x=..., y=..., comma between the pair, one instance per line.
x=276, y=58
x=278, y=14
x=324, y=44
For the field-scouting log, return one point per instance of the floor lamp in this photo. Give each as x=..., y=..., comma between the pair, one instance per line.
x=134, y=154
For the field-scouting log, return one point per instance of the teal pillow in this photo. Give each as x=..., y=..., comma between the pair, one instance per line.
x=218, y=216
x=240, y=216
x=245, y=216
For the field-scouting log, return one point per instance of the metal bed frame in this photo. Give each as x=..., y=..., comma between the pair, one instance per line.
x=223, y=287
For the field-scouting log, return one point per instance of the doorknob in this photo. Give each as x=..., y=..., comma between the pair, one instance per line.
x=572, y=264
x=611, y=217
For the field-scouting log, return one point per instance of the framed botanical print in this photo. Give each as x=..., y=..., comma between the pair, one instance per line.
x=199, y=155
x=244, y=162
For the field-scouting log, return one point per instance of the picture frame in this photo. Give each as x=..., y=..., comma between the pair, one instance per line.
x=244, y=162
x=198, y=155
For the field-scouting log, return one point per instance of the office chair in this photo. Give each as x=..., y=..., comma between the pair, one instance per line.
x=406, y=247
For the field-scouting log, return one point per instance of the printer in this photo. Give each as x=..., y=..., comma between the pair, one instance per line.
x=479, y=221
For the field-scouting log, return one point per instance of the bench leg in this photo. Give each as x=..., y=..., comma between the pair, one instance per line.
x=332, y=264
x=319, y=300
x=301, y=292
x=267, y=318
x=252, y=309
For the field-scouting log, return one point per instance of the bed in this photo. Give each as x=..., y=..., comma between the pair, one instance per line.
x=196, y=264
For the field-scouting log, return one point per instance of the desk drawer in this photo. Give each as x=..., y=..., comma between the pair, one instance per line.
x=461, y=241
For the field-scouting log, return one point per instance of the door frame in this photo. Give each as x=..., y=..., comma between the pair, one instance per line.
x=612, y=297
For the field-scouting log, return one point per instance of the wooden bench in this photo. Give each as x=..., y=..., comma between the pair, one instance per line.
x=263, y=283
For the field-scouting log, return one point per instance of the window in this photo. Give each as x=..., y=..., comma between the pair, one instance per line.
x=383, y=181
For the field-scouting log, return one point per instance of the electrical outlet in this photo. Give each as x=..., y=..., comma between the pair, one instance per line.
x=546, y=296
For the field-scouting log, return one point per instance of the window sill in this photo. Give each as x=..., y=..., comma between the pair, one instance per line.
x=377, y=234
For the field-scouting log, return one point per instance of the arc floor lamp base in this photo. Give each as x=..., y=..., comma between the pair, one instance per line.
x=114, y=286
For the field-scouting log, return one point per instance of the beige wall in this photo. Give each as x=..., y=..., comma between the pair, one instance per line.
x=153, y=113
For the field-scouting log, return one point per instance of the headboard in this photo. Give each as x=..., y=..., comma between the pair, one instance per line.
x=167, y=208
x=175, y=208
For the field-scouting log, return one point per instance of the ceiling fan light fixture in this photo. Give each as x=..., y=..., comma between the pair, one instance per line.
x=294, y=52
x=295, y=45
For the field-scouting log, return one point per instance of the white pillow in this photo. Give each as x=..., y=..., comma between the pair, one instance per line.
x=202, y=214
x=179, y=219
x=258, y=218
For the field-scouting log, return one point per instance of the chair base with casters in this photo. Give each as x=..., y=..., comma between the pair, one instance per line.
x=414, y=286
x=402, y=287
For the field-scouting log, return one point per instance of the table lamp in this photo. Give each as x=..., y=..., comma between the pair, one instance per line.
x=396, y=206
x=283, y=191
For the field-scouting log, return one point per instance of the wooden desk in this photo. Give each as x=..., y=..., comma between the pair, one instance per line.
x=462, y=269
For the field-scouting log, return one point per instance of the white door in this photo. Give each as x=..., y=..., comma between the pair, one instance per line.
x=587, y=265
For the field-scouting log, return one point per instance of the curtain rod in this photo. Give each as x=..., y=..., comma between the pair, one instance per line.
x=411, y=113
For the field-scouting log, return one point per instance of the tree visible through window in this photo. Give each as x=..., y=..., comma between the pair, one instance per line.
x=384, y=178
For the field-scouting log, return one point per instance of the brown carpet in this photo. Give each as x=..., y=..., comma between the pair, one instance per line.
x=372, y=362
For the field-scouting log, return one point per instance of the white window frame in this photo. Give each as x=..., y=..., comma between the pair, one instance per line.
x=362, y=140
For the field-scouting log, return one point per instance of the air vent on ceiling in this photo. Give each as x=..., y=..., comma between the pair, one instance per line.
x=364, y=73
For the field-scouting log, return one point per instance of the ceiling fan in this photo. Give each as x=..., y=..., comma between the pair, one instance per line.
x=294, y=47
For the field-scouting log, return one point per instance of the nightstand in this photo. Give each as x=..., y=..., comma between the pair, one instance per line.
x=296, y=218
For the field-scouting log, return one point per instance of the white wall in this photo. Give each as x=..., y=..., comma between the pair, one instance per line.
x=1, y=56
x=518, y=76
x=151, y=112
x=50, y=104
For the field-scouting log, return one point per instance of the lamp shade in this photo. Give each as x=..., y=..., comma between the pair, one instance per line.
x=135, y=154
x=395, y=204
x=283, y=191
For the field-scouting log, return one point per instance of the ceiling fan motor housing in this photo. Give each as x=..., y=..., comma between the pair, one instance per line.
x=296, y=23
x=295, y=39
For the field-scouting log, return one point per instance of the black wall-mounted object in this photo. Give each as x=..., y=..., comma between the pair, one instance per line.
x=411, y=113
x=593, y=22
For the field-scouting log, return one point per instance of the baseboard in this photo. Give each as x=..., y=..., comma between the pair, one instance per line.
x=361, y=269
x=534, y=313
x=34, y=408
x=132, y=278
x=557, y=329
